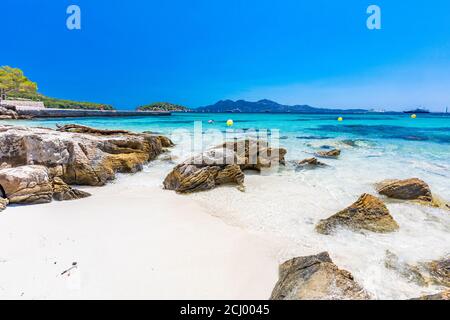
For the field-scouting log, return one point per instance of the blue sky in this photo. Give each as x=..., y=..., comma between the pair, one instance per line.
x=195, y=52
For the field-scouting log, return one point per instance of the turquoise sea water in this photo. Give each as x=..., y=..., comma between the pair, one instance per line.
x=428, y=135
x=427, y=127
x=288, y=203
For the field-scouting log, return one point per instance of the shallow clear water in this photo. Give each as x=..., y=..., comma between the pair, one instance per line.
x=288, y=203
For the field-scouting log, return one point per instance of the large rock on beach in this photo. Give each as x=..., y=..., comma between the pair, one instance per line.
x=79, y=155
x=63, y=192
x=188, y=178
x=316, y=278
x=223, y=164
x=409, y=189
x=8, y=113
x=26, y=184
x=367, y=213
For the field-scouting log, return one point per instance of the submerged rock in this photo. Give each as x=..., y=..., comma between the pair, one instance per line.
x=63, y=192
x=435, y=272
x=445, y=295
x=316, y=278
x=334, y=154
x=409, y=189
x=412, y=273
x=310, y=163
x=76, y=128
x=367, y=213
x=440, y=271
x=26, y=184
x=89, y=158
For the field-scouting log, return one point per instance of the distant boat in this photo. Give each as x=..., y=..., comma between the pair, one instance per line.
x=418, y=111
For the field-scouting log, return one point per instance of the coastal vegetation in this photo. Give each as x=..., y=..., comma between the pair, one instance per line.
x=55, y=103
x=13, y=81
x=16, y=86
x=162, y=106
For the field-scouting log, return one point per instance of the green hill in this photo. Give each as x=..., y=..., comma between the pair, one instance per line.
x=163, y=106
x=15, y=85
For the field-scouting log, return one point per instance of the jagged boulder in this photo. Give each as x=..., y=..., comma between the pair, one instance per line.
x=165, y=142
x=409, y=189
x=8, y=113
x=333, y=154
x=26, y=184
x=255, y=154
x=91, y=157
x=188, y=178
x=223, y=164
x=63, y=192
x=367, y=213
x=316, y=278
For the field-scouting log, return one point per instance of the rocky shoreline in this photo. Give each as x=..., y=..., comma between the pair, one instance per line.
x=38, y=165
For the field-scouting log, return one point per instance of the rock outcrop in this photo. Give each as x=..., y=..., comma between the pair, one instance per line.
x=368, y=213
x=33, y=185
x=89, y=158
x=63, y=192
x=8, y=113
x=316, y=278
x=76, y=128
x=26, y=184
x=409, y=189
x=222, y=165
x=333, y=154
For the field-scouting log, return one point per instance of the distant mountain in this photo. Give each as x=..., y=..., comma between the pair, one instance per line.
x=266, y=106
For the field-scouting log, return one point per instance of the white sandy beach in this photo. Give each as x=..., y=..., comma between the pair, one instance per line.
x=130, y=242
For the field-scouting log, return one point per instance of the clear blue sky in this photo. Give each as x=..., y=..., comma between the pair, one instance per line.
x=195, y=52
